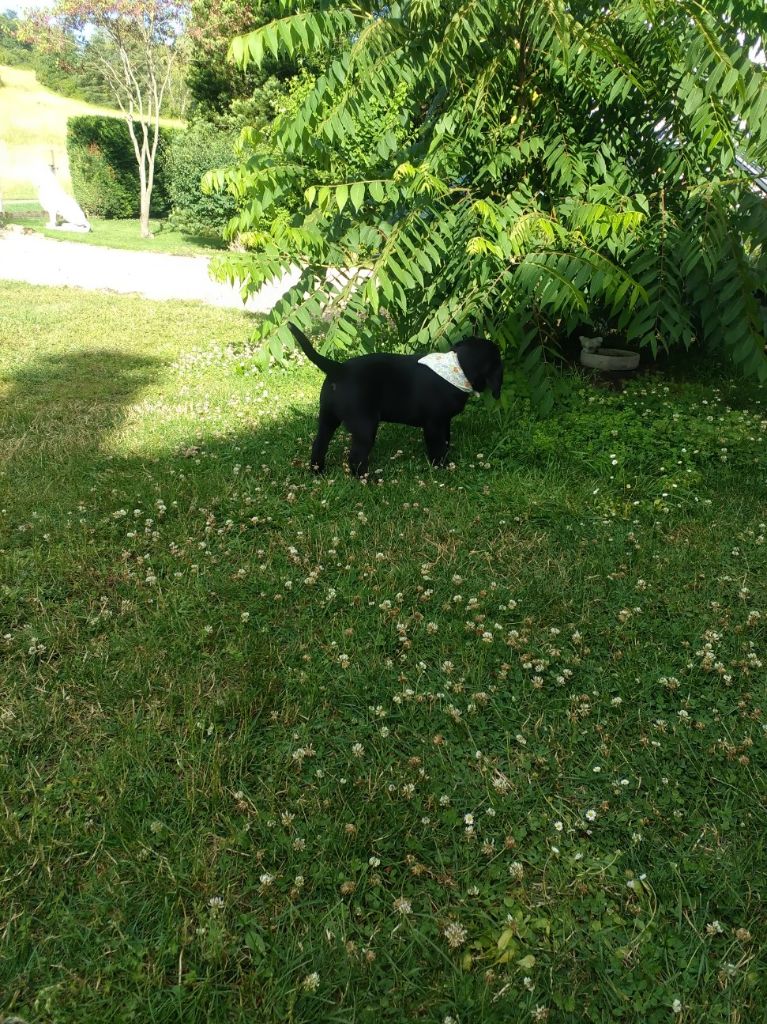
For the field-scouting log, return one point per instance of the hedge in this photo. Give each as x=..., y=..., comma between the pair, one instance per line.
x=104, y=171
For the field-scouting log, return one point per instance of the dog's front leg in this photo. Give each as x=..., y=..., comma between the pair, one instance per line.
x=437, y=438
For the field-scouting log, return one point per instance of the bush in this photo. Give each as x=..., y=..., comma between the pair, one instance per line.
x=104, y=171
x=191, y=154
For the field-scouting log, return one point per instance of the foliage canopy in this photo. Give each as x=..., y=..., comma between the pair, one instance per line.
x=216, y=85
x=553, y=164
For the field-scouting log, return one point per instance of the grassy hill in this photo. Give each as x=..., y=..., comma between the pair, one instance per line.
x=33, y=128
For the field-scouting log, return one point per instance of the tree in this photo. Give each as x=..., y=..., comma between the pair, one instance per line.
x=553, y=164
x=214, y=83
x=13, y=50
x=134, y=45
x=223, y=92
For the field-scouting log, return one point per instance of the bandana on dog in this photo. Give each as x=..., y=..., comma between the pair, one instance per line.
x=446, y=365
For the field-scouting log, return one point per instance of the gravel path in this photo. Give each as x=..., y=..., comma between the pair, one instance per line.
x=36, y=259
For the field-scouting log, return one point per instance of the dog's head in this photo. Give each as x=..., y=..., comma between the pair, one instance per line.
x=480, y=360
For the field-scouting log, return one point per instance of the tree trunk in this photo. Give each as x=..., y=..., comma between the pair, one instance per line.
x=145, y=197
x=144, y=213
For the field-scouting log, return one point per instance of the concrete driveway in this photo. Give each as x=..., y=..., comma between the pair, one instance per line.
x=35, y=259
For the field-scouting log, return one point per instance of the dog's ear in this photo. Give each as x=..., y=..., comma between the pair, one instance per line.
x=481, y=362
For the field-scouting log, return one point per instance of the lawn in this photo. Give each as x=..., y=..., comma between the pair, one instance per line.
x=121, y=234
x=478, y=745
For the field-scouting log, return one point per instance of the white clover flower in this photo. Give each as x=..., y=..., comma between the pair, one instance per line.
x=311, y=982
x=455, y=934
x=403, y=906
x=591, y=815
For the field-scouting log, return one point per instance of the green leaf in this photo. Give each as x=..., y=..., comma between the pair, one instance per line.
x=357, y=195
x=385, y=284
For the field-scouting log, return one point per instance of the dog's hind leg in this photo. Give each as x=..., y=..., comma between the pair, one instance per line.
x=363, y=439
x=326, y=427
x=437, y=438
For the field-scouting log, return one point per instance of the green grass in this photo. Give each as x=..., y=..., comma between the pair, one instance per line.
x=257, y=726
x=124, y=234
x=33, y=128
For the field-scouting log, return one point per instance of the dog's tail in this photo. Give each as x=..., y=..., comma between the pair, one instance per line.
x=328, y=366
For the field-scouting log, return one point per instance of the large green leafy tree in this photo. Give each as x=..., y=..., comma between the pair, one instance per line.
x=551, y=163
x=236, y=94
x=215, y=85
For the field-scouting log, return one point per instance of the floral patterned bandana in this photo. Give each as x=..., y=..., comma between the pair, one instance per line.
x=446, y=365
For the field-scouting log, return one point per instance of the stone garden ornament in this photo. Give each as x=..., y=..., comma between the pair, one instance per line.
x=58, y=203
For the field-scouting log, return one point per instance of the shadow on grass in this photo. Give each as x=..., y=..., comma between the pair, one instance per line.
x=199, y=239
x=59, y=408
x=94, y=376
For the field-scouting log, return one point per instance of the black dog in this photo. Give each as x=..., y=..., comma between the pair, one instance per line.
x=366, y=390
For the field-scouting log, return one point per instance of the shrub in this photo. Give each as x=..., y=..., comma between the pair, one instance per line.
x=191, y=154
x=104, y=171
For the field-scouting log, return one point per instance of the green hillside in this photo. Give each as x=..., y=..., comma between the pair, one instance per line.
x=33, y=125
